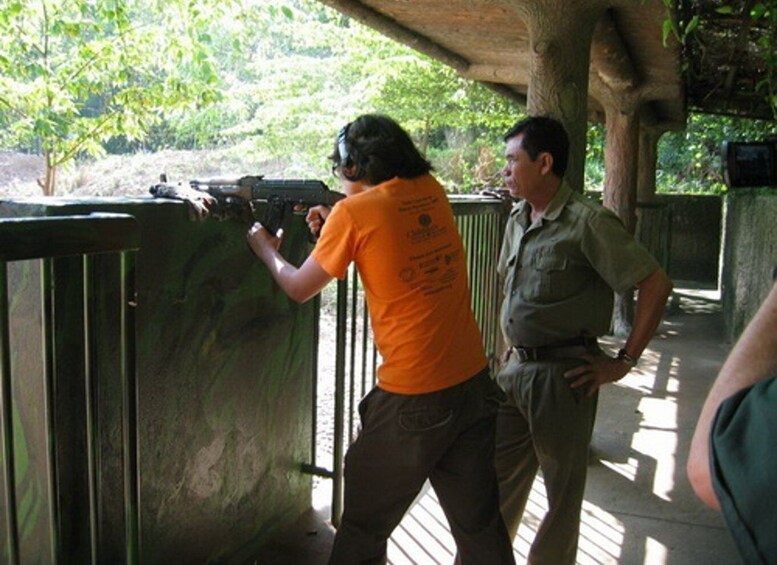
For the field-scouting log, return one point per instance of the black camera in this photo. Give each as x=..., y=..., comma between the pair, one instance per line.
x=749, y=163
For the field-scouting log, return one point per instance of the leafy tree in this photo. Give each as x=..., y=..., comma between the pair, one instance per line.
x=756, y=20
x=308, y=69
x=689, y=160
x=81, y=77
x=74, y=74
x=458, y=123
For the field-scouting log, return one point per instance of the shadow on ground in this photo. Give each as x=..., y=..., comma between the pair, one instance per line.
x=639, y=507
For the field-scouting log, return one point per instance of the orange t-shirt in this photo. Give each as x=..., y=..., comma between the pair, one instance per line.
x=403, y=238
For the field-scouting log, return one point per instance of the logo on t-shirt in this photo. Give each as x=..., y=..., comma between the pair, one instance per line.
x=426, y=230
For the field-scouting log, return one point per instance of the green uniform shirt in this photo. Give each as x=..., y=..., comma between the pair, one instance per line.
x=560, y=273
x=743, y=466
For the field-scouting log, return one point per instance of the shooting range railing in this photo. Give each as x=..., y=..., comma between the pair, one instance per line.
x=481, y=222
x=47, y=238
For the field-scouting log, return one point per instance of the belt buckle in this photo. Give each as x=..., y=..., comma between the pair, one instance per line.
x=526, y=353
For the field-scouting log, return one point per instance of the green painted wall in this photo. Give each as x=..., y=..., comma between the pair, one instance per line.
x=225, y=372
x=749, y=255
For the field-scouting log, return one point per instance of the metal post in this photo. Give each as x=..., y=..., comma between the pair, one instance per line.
x=352, y=350
x=6, y=425
x=129, y=408
x=90, y=402
x=339, y=415
x=49, y=403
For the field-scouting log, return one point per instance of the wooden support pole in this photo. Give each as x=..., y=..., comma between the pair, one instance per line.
x=559, y=58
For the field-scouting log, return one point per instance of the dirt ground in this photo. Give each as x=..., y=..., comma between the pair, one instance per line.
x=125, y=175
x=18, y=173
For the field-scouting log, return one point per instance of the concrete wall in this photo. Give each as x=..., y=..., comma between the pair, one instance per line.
x=749, y=255
x=684, y=233
x=225, y=372
x=733, y=239
x=695, y=237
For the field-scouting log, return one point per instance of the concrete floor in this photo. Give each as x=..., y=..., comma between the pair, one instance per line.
x=639, y=507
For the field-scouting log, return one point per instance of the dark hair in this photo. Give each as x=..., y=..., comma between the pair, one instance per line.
x=378, y=149
x=543, y=134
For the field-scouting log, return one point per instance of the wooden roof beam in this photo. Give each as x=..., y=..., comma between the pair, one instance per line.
x=503, y=74
x=391, y=28
x=610, y=58
x=394, y=30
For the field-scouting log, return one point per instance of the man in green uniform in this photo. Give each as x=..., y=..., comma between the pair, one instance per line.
x=562, y=257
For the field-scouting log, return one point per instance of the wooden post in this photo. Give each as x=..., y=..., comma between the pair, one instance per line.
x=560, y=35
x=621, y=154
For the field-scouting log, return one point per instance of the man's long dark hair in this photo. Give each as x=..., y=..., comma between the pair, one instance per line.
x=543, y=134
x=377, y=149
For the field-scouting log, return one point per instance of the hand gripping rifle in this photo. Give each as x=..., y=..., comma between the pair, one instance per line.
x=238, y=197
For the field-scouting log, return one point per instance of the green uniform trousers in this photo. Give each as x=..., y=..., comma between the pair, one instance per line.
x=544, y=424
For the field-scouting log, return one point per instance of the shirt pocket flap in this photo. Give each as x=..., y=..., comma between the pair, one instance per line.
x=548, y=263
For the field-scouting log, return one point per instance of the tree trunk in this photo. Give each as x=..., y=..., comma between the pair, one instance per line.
x=646, y=166
x=50, y=181
x=560, y=35
x=654, y=219
x=621, y=154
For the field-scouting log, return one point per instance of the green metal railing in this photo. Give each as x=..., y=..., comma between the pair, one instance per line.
x=47, y=238
x=481, y=222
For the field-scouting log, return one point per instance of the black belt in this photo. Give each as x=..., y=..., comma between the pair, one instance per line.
x=571, y=348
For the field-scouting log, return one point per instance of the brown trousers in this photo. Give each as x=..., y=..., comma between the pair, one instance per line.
x=445, y=436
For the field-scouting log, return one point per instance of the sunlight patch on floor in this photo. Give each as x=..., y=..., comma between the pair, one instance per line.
x=627, y=470
x=601, y=536
x=423, y=537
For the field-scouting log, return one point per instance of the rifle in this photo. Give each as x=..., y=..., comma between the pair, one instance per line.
x=238, y=197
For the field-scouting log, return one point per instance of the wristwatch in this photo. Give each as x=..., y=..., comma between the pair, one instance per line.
x=626, y=358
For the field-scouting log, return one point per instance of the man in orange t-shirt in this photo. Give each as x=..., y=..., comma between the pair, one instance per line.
x=432, y=414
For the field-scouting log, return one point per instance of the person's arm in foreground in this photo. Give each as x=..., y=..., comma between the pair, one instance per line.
x=753, y=358
x=300, y=284
x=653, y=292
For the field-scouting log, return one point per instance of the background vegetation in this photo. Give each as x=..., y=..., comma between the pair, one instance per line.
x=263, y=82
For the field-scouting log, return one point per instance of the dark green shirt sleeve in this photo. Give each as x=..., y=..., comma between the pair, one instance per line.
x=743, y=464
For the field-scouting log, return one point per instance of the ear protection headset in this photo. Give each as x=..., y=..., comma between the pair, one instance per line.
x=342, y=146
x=346, y=161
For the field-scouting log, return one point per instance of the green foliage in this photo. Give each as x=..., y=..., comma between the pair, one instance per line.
x=762, y=13
x=306, y=70
x=469, y=163
x=689, y=161
x=82, y=77
x=767, y=12
x=674, y=28
x=73, y=74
